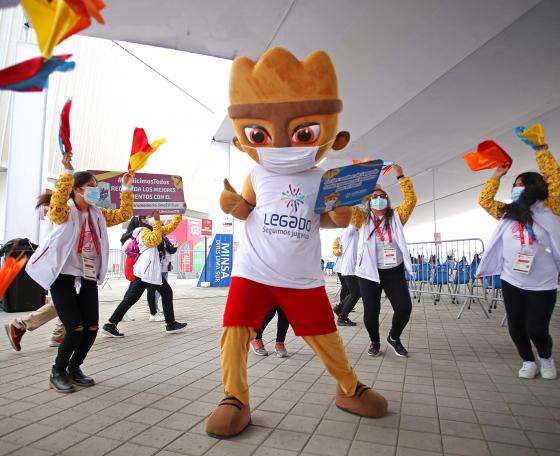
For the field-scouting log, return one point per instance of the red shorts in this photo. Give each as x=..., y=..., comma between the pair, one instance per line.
x=308, y=310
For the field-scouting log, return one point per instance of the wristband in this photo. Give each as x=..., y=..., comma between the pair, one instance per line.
x=126, y=188
x=541, y=147
x=400, y=177
x=69, y=171
x=247, y=202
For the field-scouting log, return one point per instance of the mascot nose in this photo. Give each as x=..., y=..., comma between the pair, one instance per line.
x=282, y=139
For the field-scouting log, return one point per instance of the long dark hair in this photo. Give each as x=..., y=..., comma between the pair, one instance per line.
x=80, y=179
x=389, y=212
x=135, y=222
x=536, y=189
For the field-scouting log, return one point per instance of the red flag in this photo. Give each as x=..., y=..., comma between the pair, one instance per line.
x=64, y=129
x=488, y=155
x=141, y=149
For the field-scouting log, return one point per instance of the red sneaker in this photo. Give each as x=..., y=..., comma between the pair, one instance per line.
x=14, y=335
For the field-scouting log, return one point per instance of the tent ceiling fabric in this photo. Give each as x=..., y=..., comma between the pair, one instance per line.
x=422, y=82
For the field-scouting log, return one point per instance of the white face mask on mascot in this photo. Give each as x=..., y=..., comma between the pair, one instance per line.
x=287, y=160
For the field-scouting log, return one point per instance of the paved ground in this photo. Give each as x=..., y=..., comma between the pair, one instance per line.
x=458, y=393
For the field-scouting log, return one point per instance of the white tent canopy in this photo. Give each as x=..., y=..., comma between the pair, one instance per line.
x=422, y=81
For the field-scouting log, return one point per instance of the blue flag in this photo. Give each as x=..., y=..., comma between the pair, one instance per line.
x=219, y=262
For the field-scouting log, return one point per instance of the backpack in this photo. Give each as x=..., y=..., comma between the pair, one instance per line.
x=132, y=250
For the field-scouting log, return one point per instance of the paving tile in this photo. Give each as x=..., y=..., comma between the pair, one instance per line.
x=419, y=423
x=302, y=423
x=192, y=444
x=497, y=419
x=29, y=434
x=330, y=446
x=266, y=419
x=501, y=449
x=420, y=440
x=131, y=449
x=60, y=440
x=461, y=429
x=93, y=446
x=123, y=430
x=157, y=437
x=409, y=408
x=405, y=451
x=369, y=449
x=464, y=447
x=30, y=451
x=267, y=451
x=230, y=448
x=7, y=447
x=544, y=440
x=252, y=435
x=93, y=424
x=289, y=440
x=376, y=434
x=149, y=415
x=505, y=435
x=336, y=429
x=180, y=421
x=455, y=414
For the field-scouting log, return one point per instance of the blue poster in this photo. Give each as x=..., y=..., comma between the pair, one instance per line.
x=219, y=262
x=347, y=186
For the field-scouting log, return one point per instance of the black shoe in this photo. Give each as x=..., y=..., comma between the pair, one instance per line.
x=345, y=322
x=111, y=330
x=175, y=327
x=374, y=349
x=397, y=347
x=77, y=377
x=337, y=309
x=60, y=382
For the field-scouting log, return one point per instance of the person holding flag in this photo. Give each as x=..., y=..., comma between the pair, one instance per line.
x=72, y=261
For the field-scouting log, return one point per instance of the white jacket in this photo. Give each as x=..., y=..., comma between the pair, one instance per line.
x=45, y=264
x=349, y=244
x=366, y=265
x=493, y=258
x=148, y=265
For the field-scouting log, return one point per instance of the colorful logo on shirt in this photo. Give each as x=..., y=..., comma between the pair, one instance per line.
x=515, y=231
x=293, y=197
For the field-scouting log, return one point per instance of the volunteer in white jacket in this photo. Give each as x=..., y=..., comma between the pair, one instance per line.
x=382, y=259
x=72, y=261
x=148, y=274
x=525, y=251
x=347, y=267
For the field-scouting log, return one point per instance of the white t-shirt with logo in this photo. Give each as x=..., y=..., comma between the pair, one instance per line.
x=281, y=245
x=543, y=274
x=74, y=264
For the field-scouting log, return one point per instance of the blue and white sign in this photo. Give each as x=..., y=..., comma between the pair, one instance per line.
x=219, y=262
x=347, y=186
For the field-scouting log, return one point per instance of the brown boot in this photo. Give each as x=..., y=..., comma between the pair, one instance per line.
x=365, y=402
x=229, y=418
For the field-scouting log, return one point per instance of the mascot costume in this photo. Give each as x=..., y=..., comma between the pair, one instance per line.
x=285, y=117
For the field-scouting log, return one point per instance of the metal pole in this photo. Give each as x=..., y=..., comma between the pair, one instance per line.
x=434, y=207
x=205, y=256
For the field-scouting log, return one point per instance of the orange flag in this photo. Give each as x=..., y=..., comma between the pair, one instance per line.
x=487, y=155
x=141, y=149
x=9, y=271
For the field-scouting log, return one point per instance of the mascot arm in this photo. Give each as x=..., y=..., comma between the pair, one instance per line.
x=409, y=203
x=487, y=201
x=550, y=170
x=240, y=206
x=339, y=218
x=337, y=247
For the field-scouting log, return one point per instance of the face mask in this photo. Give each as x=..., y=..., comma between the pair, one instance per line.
x=150, y=221
x=92, y=195
x=379, y=203
x=516, y=193
x=287, y=160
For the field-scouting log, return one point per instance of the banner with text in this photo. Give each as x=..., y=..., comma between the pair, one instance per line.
x=151, y=191
x=219, y=262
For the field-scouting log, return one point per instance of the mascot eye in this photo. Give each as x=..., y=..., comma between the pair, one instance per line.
x=306, y=133
x=257, y=135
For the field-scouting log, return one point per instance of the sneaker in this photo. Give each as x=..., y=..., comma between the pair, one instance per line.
x=157, y=317
x=280, y=349
x=529, y=369
x=258, y=347
x=548, y=369
x=397, y=347
x=55, y=342
x=374, y=349
x=111, y=330
x=175, y=327
x=345, y=322
x=127, y=317
x=337, y=309
x=14, y=335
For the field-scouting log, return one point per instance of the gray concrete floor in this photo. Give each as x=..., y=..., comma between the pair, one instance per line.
x=457, y=394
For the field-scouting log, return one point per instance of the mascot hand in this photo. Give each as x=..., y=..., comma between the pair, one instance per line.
x=358, y=217
x=341, y=216
x=229, y=199
x=533, y=137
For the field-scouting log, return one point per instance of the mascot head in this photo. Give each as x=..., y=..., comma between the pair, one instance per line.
x=285, y=112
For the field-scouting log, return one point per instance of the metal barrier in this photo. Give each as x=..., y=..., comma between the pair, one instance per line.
x=448, y=268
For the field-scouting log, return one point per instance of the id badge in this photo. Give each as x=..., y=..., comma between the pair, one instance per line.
x=389, y=256
x=523, y=262
x=89, y=268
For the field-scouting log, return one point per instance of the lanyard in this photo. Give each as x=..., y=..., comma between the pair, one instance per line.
x=377, y=229
x=530, y=234
x=83, y=235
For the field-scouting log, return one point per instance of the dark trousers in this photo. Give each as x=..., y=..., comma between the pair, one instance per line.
x=134, y=293
x=352, y=297
x=393, y=283
x=528, y=316
x=343, y=289
x=153, y=298
x=79, y=313
x=281, y=326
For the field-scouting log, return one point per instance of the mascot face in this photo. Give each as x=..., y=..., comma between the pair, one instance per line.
x=286, y=106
